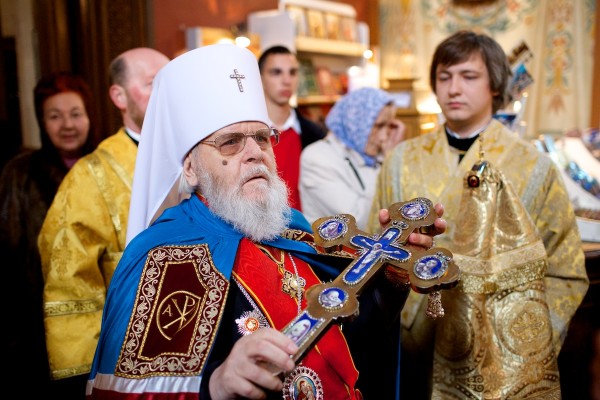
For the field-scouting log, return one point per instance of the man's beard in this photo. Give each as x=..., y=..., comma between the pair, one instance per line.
x=260, y=219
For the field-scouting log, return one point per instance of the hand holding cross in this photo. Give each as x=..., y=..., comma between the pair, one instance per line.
x=428, y=270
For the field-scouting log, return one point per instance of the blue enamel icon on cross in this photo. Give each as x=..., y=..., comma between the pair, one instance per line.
x=374, y=251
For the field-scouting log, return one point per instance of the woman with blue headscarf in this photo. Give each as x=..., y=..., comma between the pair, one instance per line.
x=338, y=172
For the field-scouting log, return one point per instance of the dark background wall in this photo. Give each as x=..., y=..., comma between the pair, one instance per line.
x=83, y=36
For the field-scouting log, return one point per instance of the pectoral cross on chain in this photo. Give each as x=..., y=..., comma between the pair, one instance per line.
x=427, y=270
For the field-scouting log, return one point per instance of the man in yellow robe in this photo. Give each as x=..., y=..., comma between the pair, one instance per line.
x=83, y=235
x=506, y=321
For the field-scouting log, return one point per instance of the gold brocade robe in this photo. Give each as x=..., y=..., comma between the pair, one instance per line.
x=490, y=342
x=81, y=242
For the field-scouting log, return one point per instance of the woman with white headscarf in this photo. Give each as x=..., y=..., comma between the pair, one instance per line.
x=338, y=173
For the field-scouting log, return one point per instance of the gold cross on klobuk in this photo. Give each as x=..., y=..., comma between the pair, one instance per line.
x=332, y=302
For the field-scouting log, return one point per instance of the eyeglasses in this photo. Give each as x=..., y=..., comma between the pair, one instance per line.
x=232, y=143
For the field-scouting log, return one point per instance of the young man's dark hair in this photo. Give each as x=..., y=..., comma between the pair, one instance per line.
x=460, y=46
x=270, y=51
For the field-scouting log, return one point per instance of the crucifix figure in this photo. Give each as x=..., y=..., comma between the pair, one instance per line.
x=428, y=271
x=374, y=249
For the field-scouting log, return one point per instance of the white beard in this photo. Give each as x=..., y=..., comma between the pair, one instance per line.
x=259, y=219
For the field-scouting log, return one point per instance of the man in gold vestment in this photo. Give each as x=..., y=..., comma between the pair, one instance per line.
x=83, y=235
x=507, y=319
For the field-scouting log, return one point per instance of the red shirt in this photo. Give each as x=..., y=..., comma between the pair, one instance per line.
x=287, y=156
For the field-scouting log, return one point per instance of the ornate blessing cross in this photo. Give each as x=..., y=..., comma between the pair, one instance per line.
x=428, y=271
x=238, y=77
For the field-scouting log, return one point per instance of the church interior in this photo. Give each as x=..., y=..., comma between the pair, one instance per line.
x=551, y=46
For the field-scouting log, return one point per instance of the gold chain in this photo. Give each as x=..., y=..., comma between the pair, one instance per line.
x=291, y=284
x=280, y=263
x=481, y=152
x=300, y=283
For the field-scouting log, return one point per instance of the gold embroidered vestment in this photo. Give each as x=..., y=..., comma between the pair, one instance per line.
x=80, y=244
x=507, y=319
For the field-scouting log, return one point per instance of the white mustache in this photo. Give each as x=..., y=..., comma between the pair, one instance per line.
x=259, y=171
